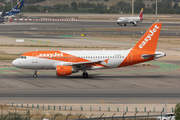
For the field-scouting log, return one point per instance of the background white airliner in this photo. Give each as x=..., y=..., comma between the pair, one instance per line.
x=68, y=62
x=132, y=20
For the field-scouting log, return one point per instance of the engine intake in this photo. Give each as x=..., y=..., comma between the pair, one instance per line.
x=65, y=70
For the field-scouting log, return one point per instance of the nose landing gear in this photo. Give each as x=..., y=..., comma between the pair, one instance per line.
x=35, y=74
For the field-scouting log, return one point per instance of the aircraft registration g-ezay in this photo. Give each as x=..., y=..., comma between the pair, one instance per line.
x=68, y=62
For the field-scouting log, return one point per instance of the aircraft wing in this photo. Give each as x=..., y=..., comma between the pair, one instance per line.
x=90, y=62
x=131, y=21
x=80, y=63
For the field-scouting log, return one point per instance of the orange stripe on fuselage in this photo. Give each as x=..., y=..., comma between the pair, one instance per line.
x=134, y=57
x=60, y=56
x=55, y=55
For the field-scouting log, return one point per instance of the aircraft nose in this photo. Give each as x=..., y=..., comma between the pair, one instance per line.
x=164, y=54
x=15, y=63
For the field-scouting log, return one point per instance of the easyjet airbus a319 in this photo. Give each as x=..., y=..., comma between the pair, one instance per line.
x=68, y=62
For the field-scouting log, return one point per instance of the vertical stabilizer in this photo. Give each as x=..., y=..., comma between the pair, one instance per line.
x=150, y=39
x=3, y=12
x=141, y=14
x=17, y=8
x=145, y=49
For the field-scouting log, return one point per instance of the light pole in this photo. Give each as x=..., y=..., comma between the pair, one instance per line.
x=156, y=9
x=12, y=3
x=132, y=8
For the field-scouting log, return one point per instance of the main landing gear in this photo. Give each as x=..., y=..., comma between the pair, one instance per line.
x=85, y=75
x=119, y=24
x=35, y=74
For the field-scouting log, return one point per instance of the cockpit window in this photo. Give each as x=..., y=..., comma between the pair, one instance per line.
x=22, y=57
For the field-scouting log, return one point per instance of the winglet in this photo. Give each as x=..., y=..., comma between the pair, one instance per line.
x=149, y=40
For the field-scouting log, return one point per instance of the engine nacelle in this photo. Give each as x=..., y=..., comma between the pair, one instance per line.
x=134, y=23
x=65, y=70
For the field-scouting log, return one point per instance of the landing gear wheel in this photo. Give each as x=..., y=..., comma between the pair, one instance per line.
x=124, y=24
x=85, y=75
x=35, y=76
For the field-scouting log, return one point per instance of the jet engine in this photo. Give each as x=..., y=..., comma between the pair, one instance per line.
x=134, y=23
x=65, y=70
x=1, y=19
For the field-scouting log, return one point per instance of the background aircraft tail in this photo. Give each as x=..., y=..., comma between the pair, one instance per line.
x=3, y=12
x=17, y=8
x=141, y=14
x=149, y=40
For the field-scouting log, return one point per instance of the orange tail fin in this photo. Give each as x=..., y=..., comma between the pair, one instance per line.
x=145, y=49
x=149, y=40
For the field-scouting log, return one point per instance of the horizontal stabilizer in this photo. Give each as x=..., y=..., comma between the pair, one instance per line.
x=156, y=55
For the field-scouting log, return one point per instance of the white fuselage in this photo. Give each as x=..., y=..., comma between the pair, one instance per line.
x=67, y=58
x=126, y=20
x=115, y=59
x=68, y=62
